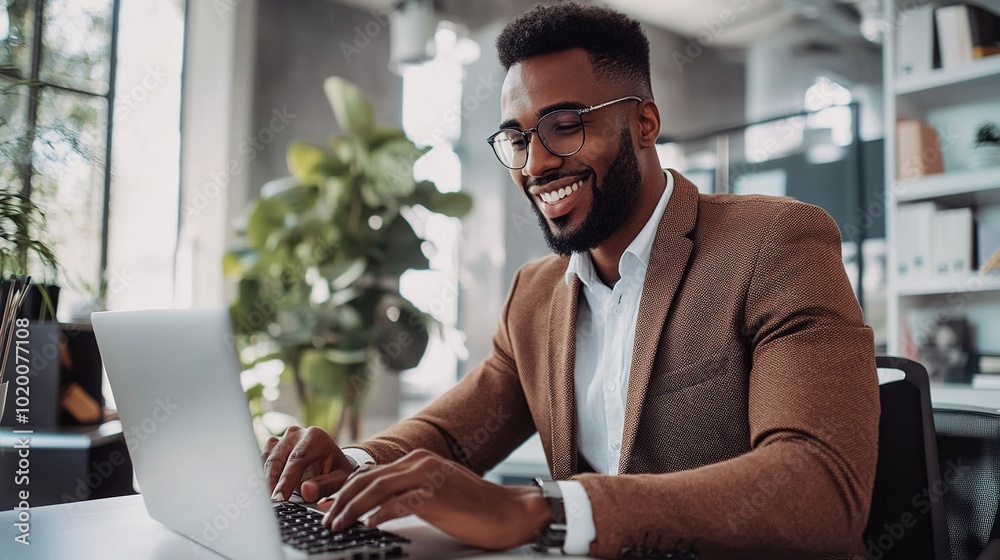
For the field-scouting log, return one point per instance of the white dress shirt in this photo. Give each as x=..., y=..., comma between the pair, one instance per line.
x=605, y=336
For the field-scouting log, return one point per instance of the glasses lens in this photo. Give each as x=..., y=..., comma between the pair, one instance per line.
x=561, y=132
x=510, y=148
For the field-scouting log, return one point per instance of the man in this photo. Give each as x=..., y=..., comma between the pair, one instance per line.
x=696, y=365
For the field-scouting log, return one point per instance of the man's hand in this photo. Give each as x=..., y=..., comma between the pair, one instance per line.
x=444, y=494
x=307, y=460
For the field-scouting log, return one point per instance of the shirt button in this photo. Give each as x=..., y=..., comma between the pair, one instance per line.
x=618, y=310
x=616, y=445
x=611, y=387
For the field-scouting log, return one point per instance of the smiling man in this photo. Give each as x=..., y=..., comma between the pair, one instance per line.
x=697, y=366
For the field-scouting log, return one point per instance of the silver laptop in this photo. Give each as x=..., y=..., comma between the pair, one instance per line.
x=175, y=378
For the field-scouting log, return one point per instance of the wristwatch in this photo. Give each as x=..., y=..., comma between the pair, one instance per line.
x=553, y=537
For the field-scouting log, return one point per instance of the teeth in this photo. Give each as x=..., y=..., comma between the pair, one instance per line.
x=557, y=195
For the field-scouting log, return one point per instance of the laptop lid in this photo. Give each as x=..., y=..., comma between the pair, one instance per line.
x=175, y=378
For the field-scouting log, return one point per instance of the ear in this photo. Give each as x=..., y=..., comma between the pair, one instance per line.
x=649, y=123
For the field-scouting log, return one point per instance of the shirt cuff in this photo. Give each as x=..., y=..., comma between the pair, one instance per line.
x=580, y=530
x=359, y=456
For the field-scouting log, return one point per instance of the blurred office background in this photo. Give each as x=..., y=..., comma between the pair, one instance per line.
x=147, y=130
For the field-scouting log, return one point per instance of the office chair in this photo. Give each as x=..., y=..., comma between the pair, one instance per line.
x=968, y=440
x=904, y=523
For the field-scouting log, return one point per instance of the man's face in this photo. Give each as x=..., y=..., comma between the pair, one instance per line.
x=602, y=179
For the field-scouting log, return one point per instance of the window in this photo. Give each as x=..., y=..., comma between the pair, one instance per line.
x=71, y=71
x=432, y=113
x=57, y=67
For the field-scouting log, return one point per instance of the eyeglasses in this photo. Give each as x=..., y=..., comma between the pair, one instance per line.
x=561, y=132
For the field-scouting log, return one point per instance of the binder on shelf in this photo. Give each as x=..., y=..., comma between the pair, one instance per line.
x=952, y=241
x=915, y=239
x=904, y=241
x=917, y=149
x=966, y=32
x=953, y=35
x=916, y=42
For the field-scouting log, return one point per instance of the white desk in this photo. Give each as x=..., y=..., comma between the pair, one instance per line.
x=119, y=528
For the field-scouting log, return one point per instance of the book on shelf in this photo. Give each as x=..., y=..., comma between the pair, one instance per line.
x=966, y=32
x=932, y=241
x=952, y=241
x=916, y=42
x=914, y=238
x=918, y=150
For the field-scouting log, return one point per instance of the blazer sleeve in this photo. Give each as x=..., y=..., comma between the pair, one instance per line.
x=478, y=422
x=804, y=489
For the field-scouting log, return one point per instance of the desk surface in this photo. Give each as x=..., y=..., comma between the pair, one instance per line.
x=119, y=528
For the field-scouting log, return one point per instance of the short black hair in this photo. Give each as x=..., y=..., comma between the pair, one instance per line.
x=616, y=43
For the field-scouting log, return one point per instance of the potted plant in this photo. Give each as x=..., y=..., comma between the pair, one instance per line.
x=986, y=152
x=319, y=261
x=23, y=251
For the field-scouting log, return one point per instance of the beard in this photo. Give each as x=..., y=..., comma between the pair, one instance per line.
x=611, y=205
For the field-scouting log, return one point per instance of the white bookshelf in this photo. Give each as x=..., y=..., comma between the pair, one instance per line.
x=943, y=285
x=953, y=85
x=955, y=101
x=966, y=187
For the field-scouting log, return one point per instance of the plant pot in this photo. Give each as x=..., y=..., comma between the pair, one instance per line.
x=985, y=155
x=35, y=307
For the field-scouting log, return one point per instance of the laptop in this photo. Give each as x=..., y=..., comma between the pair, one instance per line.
x=176, y=381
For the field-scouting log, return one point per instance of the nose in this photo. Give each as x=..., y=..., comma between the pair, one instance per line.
x=540, y=159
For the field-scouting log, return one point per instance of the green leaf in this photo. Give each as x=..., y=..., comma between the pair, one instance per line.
x=306, y=162
x=392, y=167
x=300, y=198
x=353, y=112
x=401, y=343
x=342, y=149
x=267, y=217
x=344, y=271
x=324, y=378
x=454, y=204
x=402, y=249
x=341, y=297
x=370, y=195
x=385, y=134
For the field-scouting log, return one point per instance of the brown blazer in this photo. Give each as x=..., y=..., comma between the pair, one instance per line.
x=751, y=421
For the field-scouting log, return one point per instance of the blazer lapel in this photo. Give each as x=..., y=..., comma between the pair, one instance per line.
x=561, y=351
x=667, y=265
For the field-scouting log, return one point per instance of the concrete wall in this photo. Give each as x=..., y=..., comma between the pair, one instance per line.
x=300, y=44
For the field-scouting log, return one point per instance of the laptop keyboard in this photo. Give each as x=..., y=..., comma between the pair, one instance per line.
x=301, y=528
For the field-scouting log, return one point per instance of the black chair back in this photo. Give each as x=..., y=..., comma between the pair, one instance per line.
x=906, y=520
x=968, y=440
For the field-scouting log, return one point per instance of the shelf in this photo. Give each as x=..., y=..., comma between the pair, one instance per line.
x=976, y=80
x=943, y=395
x=974, y=282
x=968, y=187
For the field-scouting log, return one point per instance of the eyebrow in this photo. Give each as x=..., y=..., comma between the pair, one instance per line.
x=513, y=123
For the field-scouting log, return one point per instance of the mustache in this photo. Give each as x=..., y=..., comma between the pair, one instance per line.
x=542, y=181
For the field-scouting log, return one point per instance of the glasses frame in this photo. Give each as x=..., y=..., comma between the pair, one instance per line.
x=534, y=130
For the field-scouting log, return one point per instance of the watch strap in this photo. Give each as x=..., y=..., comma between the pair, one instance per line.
x=553, y=537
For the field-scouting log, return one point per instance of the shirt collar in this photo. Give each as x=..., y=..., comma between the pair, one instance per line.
x=636, y=255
